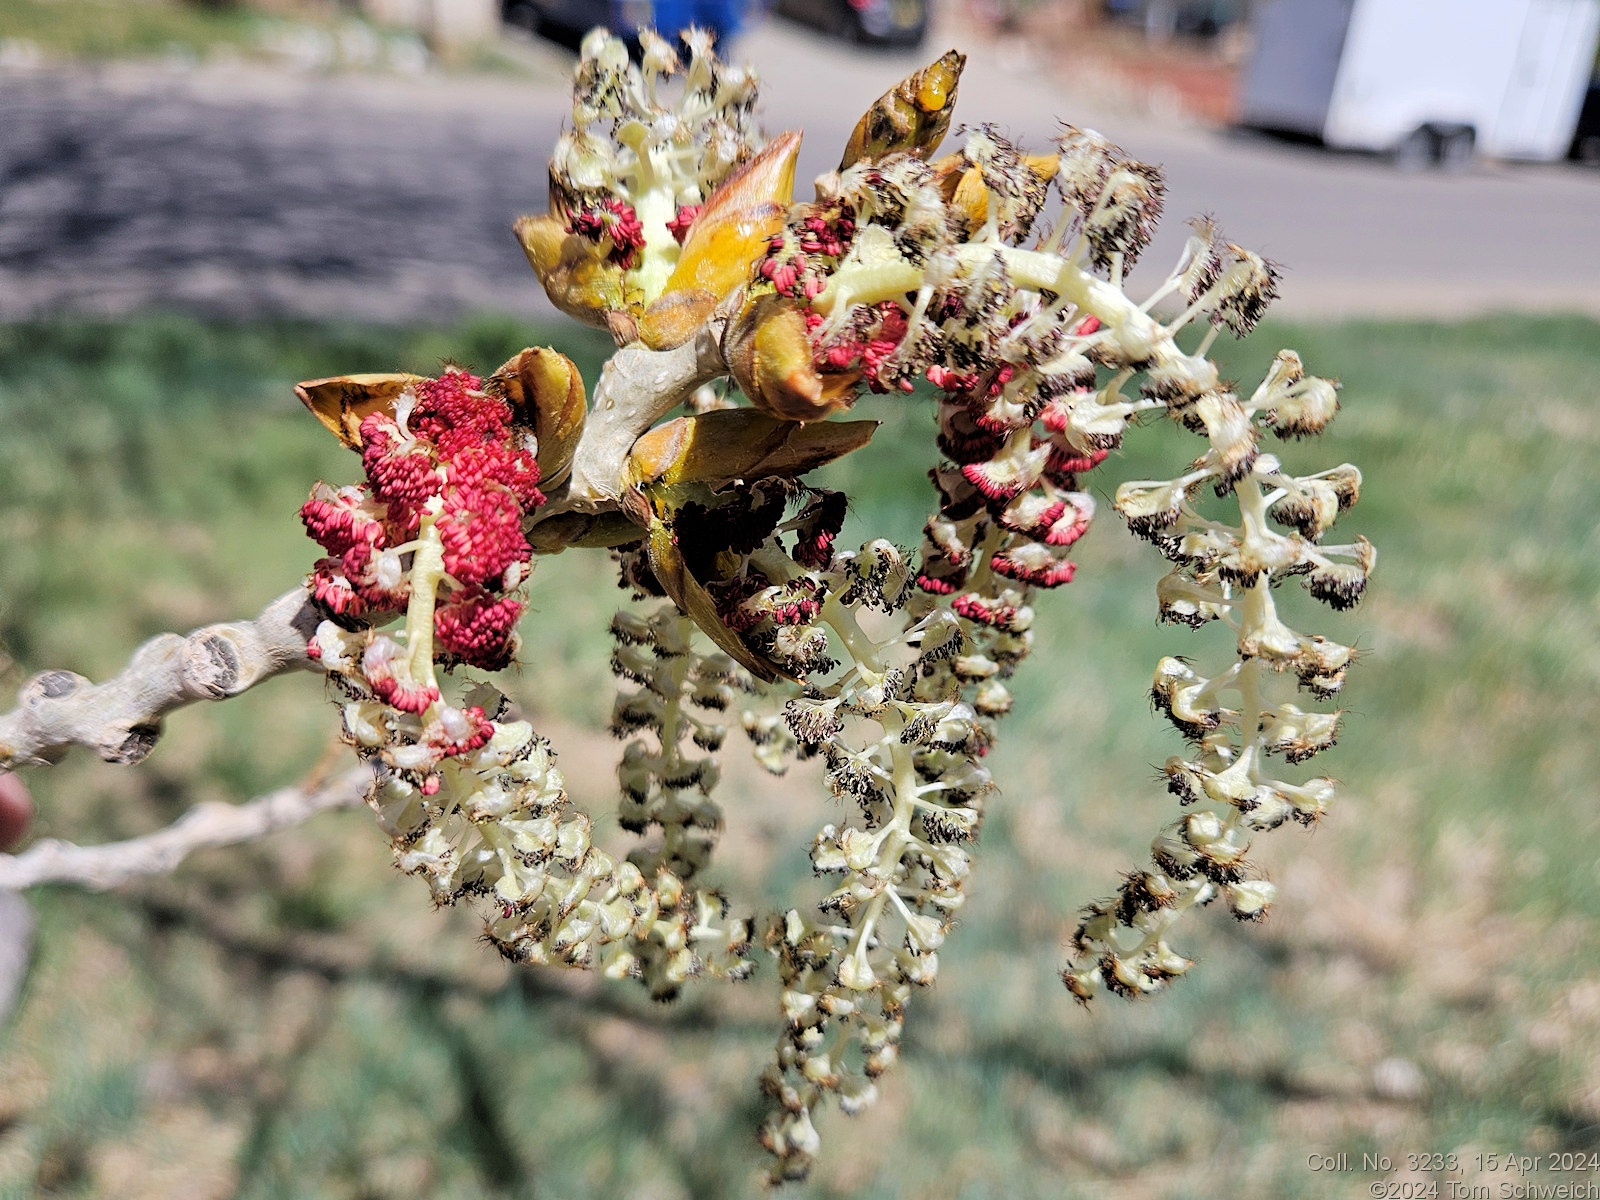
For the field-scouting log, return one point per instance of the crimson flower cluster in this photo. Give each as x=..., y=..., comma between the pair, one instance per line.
x=449, y=449
x=614, y=222
x=681, y=221
x=798, y=261
x=1014, y=459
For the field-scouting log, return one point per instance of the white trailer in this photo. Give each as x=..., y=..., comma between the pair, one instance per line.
x=1423, y=79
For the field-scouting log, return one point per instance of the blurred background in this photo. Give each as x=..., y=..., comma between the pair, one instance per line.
x=201, y=203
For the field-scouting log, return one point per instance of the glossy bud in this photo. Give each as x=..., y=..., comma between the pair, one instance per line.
x=767, y=347
x=910, y=117
x=545, y=391
x=577, y=277
x=739, y=443
x=731, y=231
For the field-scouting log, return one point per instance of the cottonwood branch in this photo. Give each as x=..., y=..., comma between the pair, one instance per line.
x=120, y=720
x=206, y=825
x=636, y=389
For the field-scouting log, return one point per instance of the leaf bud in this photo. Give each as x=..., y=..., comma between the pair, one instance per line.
x=577, y=276
x=910, y=117
x=729, y=234
x=769, y=351
x=545, y=391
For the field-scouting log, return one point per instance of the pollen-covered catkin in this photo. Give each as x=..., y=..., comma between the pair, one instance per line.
x=666, y=788
x=1041, y=364
x=1235, y=720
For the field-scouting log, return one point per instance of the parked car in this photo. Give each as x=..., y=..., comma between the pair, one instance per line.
x=880, y=22
x=1426, y=81
x=1163, y=19
x=1586, y=138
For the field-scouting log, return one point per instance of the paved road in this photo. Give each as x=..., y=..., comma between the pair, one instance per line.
x=264, y=193
x=1356, y=235
x=245, y=191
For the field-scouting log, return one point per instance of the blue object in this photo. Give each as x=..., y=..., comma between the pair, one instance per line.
x=566, y=21
x=723, y=18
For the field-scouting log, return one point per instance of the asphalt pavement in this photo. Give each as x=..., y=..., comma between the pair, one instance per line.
x=1354, y=234
x=244, y=191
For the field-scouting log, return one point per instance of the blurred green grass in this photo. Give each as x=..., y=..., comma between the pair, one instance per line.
x=289, y=1019
x=98, y=29
x=329, y=36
